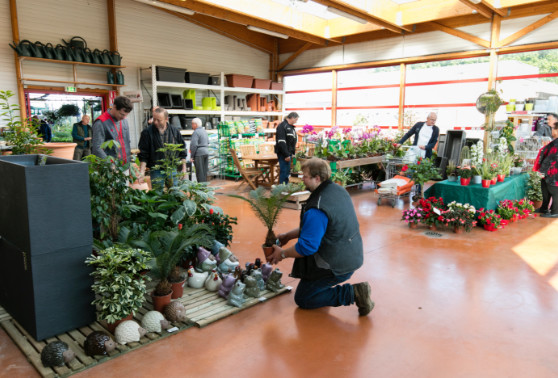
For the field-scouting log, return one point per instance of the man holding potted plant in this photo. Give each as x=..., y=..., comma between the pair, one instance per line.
x=329, y=247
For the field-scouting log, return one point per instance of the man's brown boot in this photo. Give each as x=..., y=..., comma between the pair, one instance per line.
x=362, y=298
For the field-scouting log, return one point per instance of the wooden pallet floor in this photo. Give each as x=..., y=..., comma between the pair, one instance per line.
x=202, y=308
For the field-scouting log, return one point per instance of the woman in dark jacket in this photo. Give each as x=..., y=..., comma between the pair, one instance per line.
x=547, y=164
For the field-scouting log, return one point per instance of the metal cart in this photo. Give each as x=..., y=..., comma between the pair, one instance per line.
x=392, y=166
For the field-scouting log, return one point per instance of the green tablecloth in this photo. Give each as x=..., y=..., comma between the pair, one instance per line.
x=513, y=188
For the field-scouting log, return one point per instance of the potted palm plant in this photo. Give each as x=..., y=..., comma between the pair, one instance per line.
x=119, y=288
x=168, y=247
x=267, y=206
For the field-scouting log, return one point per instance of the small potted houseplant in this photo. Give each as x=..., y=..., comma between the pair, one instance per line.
x=451, y=171
x=422, y=171
x=267, y=206
x=168, y=247
x=466, y=173
x=486, y=174
x=518, y=163
x=21, y=133
x=460, y=217
x=118, y=285
x=533, y=189
x=412, y=217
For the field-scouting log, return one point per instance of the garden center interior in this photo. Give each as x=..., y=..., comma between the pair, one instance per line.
x=472, y=304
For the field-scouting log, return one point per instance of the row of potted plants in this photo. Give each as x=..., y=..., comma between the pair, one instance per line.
x=463, y=217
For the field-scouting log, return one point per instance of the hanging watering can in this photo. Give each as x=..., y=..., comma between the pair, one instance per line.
x=106, y=59
x=38, y=50
x=60, y=52
x=119, y=78
x=115, y=58
x=76, y=42
x=49, y=51
x=96, y=55
x=87, y=55
x=23, y=48
x=110, y=77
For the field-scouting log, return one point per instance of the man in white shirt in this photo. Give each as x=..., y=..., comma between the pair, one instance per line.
x=426, y=135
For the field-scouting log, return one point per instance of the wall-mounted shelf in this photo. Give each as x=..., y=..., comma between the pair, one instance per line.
x=75, y=82
x=219, y=90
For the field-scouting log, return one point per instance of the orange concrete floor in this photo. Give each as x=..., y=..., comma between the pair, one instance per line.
x=483, y=304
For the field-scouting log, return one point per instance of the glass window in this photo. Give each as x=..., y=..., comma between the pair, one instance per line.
x=367, y=117
x=457, y=69
x=368, y=77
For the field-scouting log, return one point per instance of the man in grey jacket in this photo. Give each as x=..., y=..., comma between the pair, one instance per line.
x=199, y=150
x=112, y=125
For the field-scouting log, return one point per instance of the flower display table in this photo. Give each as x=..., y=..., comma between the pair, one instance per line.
x=512, y=188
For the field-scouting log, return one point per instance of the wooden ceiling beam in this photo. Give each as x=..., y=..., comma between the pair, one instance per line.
x=460, y=34
x=528, y=29
x=294, y=56
x=246, y=19
x=499, y=11
x=480, y=7
x=364, y=15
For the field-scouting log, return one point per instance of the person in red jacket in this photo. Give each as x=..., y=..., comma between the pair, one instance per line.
x=112, y=125
x=547, y=165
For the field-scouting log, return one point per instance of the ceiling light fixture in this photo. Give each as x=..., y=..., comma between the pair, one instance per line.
x=166, y=6
x=268, y=32
x=475, y=1
x=346, y=15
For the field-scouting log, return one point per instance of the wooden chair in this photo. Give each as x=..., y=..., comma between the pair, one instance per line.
x=250, y=175
x=267, y=148
x=247, y=149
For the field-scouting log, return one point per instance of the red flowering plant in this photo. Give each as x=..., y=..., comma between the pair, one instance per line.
x=508, y=210
x=525, y=208
x=489, y=219
x=427, y=207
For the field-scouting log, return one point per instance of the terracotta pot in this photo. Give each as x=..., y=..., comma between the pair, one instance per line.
x=267, y=251
x=61, y=150
x=159, y=302
x=413, y=225
x=432, y=227
x=458, y=229
x=465, y=181
x=177, y=289
x=112, y=326
x=537, y=204
x=494, y=181
x=501, y=178
x=486, y=183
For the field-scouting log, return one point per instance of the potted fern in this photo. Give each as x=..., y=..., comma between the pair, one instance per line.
x=267, y=206
x=167, y=248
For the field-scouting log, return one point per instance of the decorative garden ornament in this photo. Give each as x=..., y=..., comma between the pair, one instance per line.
x=266, y=271
x=175, y=312
x=228, y=266
x=252, y=289
x=98, y=343
x=154, y=321
x=236, y=296
x=226, y=286
x=213, y=281
x=56, y=353
x=196, y=279
x=128, y=331
x=206, y=261
x=274, y=282
x=224, y=253
x=257, y=274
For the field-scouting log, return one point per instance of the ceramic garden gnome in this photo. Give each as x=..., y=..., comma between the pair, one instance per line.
x=206, y=261
x=228, y=261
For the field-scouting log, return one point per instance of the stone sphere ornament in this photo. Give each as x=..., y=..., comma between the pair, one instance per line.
x=154, y=321
x=56, y=353
x=98, y=343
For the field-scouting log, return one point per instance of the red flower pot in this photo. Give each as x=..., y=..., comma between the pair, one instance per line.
x=501, y=178
x=494, y=181
x=465, y=181
x=485, y=183
x=503, y=222
x=489, y=227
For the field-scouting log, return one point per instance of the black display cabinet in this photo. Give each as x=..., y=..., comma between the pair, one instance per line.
x=45, y=237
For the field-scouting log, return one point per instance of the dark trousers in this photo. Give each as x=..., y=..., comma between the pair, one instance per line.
x=549, y=192
x=80, y=153
x=201, y=164
x=284, y=170
x=325, y=292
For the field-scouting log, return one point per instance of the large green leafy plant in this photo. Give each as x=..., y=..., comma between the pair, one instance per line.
x=168, y=247
x=169, y=164
x=108, y=182
x=267, y=206
x=22, y=132
x=422, y=171
x=533, y=189
x=118, y=284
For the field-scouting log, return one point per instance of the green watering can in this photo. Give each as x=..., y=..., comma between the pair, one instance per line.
x=49, y=51
x=60, y=52
x=110, y=77
x=87, y=55
x=96, y=55
x=23, y=48
x=119, y=78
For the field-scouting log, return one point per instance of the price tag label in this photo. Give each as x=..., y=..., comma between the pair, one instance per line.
x=436, y=210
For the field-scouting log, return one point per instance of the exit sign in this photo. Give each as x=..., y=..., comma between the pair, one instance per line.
x=70, y=89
